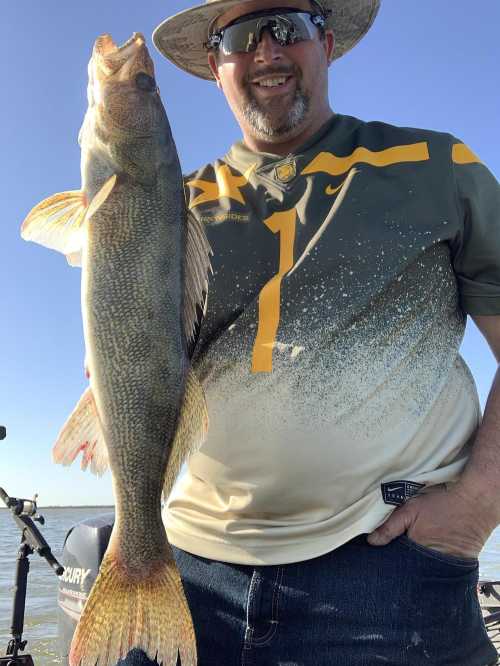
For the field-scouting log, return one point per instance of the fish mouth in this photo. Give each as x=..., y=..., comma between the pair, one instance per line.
x=106, y=47
x=110, y=57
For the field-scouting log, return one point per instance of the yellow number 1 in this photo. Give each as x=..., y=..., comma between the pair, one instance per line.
x=269, y=298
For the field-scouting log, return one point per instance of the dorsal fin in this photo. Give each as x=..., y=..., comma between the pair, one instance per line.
x=197, y=266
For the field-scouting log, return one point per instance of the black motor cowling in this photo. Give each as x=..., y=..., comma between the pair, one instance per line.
x=83, y=551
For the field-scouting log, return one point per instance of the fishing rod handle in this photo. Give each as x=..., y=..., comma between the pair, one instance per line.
x=59, y=570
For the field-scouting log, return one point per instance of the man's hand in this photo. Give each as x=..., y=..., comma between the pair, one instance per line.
x=447, y=521
x=460, y=520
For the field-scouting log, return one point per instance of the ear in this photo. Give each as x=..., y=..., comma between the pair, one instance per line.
x=329, y=43
x=212, y=63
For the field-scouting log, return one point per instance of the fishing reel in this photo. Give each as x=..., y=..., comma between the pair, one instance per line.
x=23, y=507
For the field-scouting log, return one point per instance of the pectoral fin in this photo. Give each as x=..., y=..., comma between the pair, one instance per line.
x=59, y=221
x=82, y=433
x=74, y=259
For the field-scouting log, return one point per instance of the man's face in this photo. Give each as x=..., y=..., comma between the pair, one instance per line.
x=276, y=91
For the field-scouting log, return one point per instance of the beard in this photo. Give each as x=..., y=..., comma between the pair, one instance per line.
x=271, y=120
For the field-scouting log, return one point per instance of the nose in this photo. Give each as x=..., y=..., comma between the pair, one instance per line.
x=268, y=50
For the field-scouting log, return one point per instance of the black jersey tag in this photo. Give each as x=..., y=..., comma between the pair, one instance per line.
x=397, y=492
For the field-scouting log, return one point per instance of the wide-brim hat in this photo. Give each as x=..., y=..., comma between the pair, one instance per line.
x=181, y=38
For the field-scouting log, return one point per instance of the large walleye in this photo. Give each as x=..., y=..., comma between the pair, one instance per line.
x=144, y=268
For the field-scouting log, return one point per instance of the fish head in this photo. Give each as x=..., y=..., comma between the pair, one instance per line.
x=126, y=129
x=122, y=86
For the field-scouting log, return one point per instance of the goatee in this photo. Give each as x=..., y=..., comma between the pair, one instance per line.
x=272, y=123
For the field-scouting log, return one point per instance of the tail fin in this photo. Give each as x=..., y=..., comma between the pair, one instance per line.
x=123, y=613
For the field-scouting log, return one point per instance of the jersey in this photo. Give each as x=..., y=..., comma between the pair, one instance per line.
x=329, y=351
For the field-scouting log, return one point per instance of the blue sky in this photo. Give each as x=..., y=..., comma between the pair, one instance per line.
x=431, y=63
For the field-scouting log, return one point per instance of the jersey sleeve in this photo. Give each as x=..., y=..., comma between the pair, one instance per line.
x=476, y=250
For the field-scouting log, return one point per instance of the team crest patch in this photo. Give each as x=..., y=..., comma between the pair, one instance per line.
x=397, y=492
x=286, y=172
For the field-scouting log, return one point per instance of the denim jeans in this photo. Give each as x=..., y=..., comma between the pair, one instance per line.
x=359, y=605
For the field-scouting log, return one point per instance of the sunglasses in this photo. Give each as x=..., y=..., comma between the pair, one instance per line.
x=286, y=26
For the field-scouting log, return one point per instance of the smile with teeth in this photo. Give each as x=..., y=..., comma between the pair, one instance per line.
x=272, y=82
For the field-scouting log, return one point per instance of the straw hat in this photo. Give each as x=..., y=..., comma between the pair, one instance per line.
x=181, y=37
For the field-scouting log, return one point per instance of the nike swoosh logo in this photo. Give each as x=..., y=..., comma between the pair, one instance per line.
x=391, y=490
x=332, y=190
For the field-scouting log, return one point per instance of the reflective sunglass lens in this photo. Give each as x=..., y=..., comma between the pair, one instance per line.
x=286, y=28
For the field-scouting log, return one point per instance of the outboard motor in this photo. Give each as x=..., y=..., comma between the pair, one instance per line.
x=83, y=551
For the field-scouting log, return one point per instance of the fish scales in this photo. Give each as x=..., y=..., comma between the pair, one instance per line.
x=133, y=324
x=144, y=265
x=134, y=338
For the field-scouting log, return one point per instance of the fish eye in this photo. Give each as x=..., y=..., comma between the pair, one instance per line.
x=145, y=82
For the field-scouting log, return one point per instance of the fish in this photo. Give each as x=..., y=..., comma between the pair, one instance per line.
x=145, y=263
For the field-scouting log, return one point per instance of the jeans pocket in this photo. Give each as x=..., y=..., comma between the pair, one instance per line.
x=464, y=562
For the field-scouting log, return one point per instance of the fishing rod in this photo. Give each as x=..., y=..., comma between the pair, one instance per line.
x=24, y=512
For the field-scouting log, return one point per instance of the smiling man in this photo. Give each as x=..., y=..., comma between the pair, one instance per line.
x=278, y=95
x=337, y=509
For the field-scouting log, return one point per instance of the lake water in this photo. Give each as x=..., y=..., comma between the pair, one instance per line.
x=40, y=624
x=40, y=627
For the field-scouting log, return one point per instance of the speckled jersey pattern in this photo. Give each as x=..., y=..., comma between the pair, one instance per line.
x=329, y=350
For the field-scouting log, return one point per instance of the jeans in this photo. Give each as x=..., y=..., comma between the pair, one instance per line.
x=401, y=605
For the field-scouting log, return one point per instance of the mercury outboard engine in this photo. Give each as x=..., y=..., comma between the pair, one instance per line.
x=83, y=551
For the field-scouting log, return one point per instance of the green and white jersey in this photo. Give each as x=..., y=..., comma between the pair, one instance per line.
x=329, y=349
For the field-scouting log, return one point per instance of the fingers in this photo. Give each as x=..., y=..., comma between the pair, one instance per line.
x=397, y=523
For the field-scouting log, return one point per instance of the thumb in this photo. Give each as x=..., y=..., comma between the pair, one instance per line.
x=397, y=523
